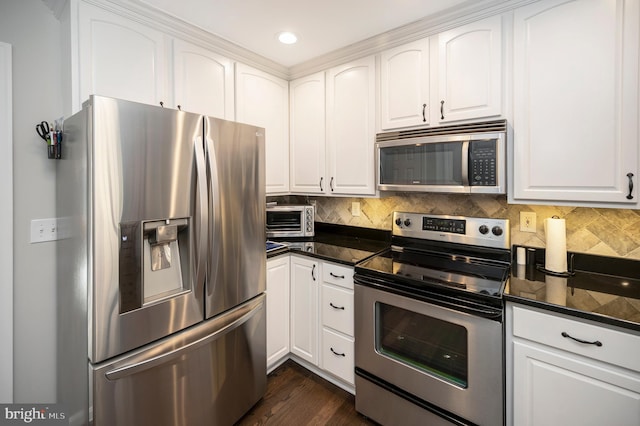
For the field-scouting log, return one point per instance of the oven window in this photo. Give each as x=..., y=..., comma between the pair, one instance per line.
x=428, y=344
x=284, y=220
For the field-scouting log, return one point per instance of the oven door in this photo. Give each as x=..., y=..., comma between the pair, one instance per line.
x=451, y=360
x=285, y=222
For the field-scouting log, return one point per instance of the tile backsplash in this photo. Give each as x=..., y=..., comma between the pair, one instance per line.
x=605, y=232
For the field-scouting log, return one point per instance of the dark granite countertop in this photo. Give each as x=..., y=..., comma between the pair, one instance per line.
x=338, y=243
x=602, y=289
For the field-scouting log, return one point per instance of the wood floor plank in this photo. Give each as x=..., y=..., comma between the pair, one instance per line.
x=296, y=396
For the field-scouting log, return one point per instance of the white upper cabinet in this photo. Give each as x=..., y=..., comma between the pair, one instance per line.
x=203, y=81
x=404, y=86
x=470, y=71
x=119, y=57
x=307, y=133
x=576, y=102
x=453, y=76
x=263, y=100
x=351, y=127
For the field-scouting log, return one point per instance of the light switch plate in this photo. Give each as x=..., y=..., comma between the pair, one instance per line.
x=355, y=208
x=44, y=230
x=527, y=222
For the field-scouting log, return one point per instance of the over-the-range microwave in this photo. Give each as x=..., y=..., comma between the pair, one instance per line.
x=467, y=158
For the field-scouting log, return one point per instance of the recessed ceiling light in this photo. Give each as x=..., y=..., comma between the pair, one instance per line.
x=287, y=37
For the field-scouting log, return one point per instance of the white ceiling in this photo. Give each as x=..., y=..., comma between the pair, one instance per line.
x=322, y=26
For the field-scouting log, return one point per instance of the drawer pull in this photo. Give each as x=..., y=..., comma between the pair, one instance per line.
x=337, y=353
x=336, y=276
x=336, y=307
x=597, y=342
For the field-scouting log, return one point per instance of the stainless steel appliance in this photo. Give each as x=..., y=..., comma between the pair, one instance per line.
x=289, y=220
x=429, y=322
x=161, y=271
x=465, y=158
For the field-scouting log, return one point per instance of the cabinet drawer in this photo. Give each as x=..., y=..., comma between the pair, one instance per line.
x=338, y=275
x=337, y=308
x=337, y=355
x=618, y=348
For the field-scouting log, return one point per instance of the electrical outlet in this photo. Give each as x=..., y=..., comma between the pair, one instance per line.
x=355, y=208
x=527, y=222
x=44, y=230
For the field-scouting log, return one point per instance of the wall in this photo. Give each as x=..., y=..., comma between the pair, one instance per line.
x=33, y=31
x=606, y=232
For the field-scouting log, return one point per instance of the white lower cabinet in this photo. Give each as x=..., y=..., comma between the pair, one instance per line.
x=278, y=278
x=337, y=315
x=313, y=322
x=555, y=380
x=305, y=285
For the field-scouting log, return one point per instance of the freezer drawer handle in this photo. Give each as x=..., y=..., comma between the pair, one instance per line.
x=238, y=318
x=586, y=342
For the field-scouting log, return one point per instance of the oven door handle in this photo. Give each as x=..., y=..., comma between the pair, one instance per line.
x=437, y=299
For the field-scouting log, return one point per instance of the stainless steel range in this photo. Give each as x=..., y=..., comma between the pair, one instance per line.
x=429, y=322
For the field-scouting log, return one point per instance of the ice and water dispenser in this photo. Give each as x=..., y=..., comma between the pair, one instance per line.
x=154, y=261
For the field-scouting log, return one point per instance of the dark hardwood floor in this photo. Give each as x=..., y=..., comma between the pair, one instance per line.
x=295, y=396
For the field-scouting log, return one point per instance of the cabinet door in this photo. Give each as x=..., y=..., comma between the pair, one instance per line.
x=351, y=127
x=470, y=71
x=263, y=100
x=308, y=142
x=305, y=284
x=404, y=85
x=203, y=81
x=119, y=57
x=576, y=101
x=277, y=309
x=556, y=388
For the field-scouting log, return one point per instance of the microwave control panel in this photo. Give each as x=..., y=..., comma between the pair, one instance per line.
x=482, y=162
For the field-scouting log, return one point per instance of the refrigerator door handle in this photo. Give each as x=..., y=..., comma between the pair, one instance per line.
x=202, y=214
x=218, y=328
x=212, y=171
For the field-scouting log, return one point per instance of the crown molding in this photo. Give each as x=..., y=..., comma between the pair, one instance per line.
x=139, y=11
x=468, y=12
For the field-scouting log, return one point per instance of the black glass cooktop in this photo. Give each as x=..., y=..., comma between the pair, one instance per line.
x=439, y=270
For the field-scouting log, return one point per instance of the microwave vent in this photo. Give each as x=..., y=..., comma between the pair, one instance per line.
x=456, y=129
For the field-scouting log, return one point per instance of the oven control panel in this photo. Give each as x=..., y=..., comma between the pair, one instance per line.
x=485, y=232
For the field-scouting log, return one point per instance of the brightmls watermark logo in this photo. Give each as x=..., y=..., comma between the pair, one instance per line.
x=32, y=414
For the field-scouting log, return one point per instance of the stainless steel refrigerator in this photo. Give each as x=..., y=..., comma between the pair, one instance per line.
x=161, y=266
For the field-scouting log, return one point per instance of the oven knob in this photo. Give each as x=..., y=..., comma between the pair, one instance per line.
x=407, y=222
x=497, y=231
x=399, y=222
x=484, y=229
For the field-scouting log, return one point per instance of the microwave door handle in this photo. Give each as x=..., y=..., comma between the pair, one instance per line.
x=465, y=163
